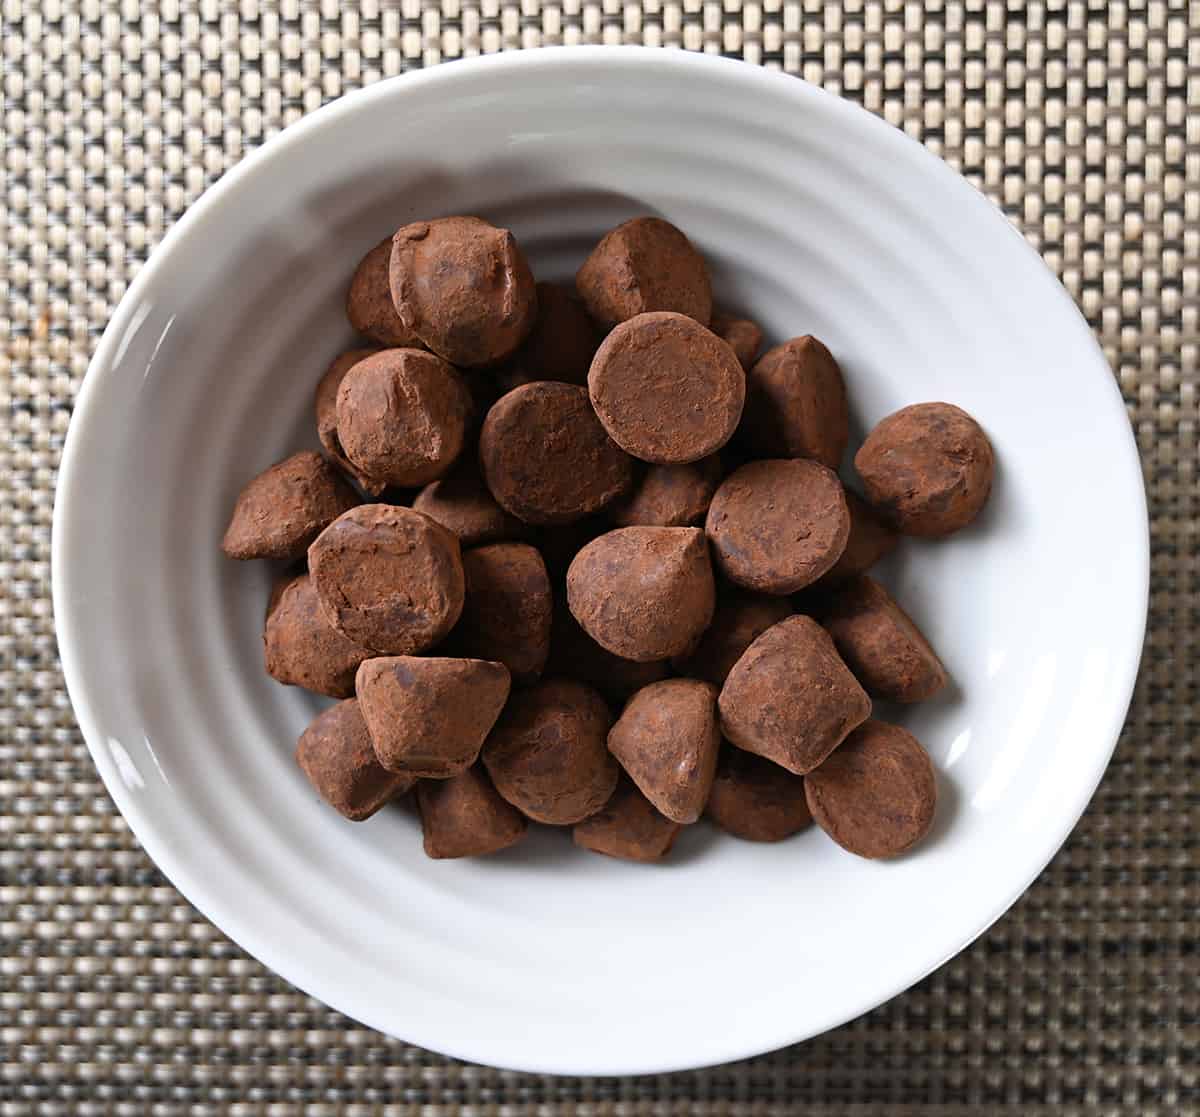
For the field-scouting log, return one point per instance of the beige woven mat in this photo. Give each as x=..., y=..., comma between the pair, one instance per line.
x=116, y=997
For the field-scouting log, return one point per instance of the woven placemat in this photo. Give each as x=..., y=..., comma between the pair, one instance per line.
x=116, y=997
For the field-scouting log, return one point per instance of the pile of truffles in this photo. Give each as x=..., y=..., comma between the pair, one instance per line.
x=580, y=557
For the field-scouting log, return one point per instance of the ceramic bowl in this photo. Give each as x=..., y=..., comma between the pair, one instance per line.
x=816, y=217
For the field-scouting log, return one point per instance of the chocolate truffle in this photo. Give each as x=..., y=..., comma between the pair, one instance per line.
x=301, y=647
x=325, y=405
x=927, y=469
x=547, y=459
x=776, y=526
x=462, y=504
x=643, y=593
x=752, y=798
x=627, y=827
x=575, y=655
x=282, y=510
x=464, y=817
x=369, y=301
x=880, y=643
x=643, y=265
x=429, y=717
x=402, y=416
x=563, y=340
x=670, y=495
x=335, y=754
x=870, y=539
x=739, y=620
x=667, y=739
x=876, y=795
x=464, y=288
x=744, y=337
x=388, y=578
x=796, y=404
x=508, y=609
x=666, y=389
x=790, y=698
x=547, y=753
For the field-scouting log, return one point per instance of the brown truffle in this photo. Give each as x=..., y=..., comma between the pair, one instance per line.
x=739, y=620
x=643, y=593
x=369, y=301
x=776, y=526
x=562, y=343
x=575, y=655
x=335, y=754
x=402, y=416
x=300, y=646
x=752, y=798
x=796, y=404
x=462, y=504
x=927, y=469
x=643, y=265
x=870, y=539
x=547, y=459
x=464, y=817
x=282, y=510
x=429, y=717
x=790, y=697
x=877, y=794
x=325, y=405
x=670, y=495
x=667, y=739
x=880, y=644
x=388, y=578
x=627, y=827
x=666, y=389
x=508, y=609
x=547, y=753
x=744, y=337
x=464, y=288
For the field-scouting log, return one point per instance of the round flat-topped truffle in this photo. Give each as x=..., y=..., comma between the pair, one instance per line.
x=752, y=798
x=742, y=335
x=546, y=458
x=325, y=406
x=462, y=504
x=643, y=265
x=666, y=389
x=670, y=495
x=870, y=539
x=463, y=287
x=388, y=578
x=402, y=416
x=369, y=305
x=562, y=342
x=776, y=526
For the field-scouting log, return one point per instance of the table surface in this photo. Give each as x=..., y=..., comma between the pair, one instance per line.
x=117, y=997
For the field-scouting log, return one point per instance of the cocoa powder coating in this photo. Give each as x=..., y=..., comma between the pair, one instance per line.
x=465, y=817
x=752, y=798
x=627, y=827
x=369, y=305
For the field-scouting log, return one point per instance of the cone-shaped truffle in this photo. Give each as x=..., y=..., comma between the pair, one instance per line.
x=282, y=510
x=464, y=817
x=877, y=794
x=547, y=753
x=430, y=717
x=301, y=647
x=927, y=469
x=880, y=644
x=667, y=739
x=628, y=827
x=754, y=799
x=645, y=264
x=796, y=404
x=739, y=620
x=777, y=526
x=643, y=593
x=335, y=754
x=790, y=698
x=547, y=459
x=402, y=416
x=464, y=288
x=388, y=578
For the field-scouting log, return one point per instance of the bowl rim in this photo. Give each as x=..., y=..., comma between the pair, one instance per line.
x=205, y=898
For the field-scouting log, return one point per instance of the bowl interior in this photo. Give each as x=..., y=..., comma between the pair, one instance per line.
x=816, y=219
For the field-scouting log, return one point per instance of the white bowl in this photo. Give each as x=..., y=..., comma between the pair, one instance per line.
x=818, y=218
